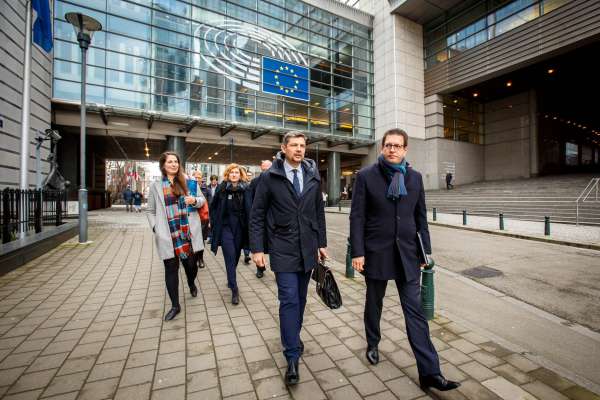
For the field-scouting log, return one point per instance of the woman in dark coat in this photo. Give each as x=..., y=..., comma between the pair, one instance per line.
x=229, y=213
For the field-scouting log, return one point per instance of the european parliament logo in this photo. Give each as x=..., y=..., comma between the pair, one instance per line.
x=285, y=79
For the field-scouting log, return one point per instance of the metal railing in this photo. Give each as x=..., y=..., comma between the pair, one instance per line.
x=29, y=210
x=591, y=187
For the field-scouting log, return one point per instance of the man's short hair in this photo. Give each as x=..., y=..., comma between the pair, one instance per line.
x=214, y=178
x=395, y=131
x=291, y=135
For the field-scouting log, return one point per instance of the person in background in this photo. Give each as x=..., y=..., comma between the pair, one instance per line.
x=247, y=258
x=197, y=186
x=177, y=232
x=229, y=213
x=211, y=189
x=137, y=200
x=264, y=166
x=449, y=184
x=128, y=198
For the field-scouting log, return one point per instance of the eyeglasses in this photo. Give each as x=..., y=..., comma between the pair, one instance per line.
x=391, y=146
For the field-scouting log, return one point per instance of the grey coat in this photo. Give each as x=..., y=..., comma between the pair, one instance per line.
x=157, y=218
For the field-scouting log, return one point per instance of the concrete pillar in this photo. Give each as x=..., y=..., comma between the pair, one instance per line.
x=177, y=144
x=533, y=134
x=334, y=173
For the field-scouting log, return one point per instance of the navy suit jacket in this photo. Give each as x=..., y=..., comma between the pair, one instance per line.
x=385, y=231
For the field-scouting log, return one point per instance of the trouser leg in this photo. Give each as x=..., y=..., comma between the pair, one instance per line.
x=373, y=306
x=417, y=328
x=288, y=292
x=231, y=255
x=303, y=281
x=172, y=279
x=191, y=269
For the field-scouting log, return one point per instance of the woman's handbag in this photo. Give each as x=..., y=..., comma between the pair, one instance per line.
x=203, y=211
x=327, y=289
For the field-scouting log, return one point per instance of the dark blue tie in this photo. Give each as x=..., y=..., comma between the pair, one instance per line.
x=296, y=182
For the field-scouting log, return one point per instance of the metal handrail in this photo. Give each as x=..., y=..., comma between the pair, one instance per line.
x=594, y=183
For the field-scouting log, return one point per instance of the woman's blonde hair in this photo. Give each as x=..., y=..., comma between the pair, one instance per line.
x=231, y=167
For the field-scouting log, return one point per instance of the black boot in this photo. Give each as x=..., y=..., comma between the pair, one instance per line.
x=235, y=296
x=373, y=355
x=437, y=382
x=172, y=313
x=292, y=376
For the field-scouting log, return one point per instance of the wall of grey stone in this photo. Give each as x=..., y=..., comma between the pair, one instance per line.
x=12, y=52
x=508, y=130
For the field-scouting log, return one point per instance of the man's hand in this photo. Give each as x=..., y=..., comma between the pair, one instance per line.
x=259, y=259
x=189, y=200
x=358, y=263
x=322, y=255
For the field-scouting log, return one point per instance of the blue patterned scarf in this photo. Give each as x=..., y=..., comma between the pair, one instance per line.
x=177, y=217
x=395, y=174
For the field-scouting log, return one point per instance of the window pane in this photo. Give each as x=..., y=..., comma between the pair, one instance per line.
x=124, y=62
x=171, y=22
x=127, y=45
x=170, y=87
x=170, y=71
x=133, y=11
x=171, y=38
x=170, y=104
x=215, y=5
x=296, y=115
x=125, y=80
x=129, y=28
x=174, y=7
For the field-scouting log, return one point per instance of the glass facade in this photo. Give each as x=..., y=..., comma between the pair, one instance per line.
x=203, y=58
x=463, y=120
x=484, y=21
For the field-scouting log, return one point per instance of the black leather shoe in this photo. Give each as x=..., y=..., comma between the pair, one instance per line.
x=437, y=382
x=200, y=263
x=259, y=273
x=247, y=260
x=373, y=356
x=235, y=297
x=291, y=375
x=172, y=313
x=194, y=291
x=301, y=347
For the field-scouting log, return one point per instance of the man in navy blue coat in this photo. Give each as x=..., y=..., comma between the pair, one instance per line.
x=388, y=209
x=288, y=221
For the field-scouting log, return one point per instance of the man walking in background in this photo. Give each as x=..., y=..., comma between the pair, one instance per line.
x=388, y=210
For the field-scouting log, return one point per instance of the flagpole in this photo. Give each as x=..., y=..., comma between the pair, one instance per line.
x=24, y=171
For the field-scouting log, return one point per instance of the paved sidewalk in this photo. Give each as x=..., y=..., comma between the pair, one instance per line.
x=86, y=322
x=585, y=235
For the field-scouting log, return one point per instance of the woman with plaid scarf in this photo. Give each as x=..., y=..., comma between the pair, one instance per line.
x=177, y=232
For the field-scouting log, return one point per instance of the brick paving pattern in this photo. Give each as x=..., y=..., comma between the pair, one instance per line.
x=86, y=322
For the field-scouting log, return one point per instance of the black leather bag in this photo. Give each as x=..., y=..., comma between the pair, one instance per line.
x=327, y=288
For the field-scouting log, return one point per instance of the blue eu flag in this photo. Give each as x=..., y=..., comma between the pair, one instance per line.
x=42, y=27
x=285, y=79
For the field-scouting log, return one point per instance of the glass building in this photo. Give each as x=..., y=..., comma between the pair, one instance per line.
x=216, y=60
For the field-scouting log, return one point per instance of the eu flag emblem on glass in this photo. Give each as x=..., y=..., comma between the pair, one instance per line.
x=285, y=79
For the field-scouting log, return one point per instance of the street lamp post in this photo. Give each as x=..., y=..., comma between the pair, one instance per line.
x=84, y=29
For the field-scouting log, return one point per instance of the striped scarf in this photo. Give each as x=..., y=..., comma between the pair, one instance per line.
x=177, y=217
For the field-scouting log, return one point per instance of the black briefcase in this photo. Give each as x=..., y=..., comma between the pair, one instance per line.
x=327, y=288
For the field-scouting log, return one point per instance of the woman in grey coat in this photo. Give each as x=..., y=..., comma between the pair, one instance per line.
x=177, y=232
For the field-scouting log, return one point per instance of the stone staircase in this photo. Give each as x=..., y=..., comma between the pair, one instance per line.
x=526, y=199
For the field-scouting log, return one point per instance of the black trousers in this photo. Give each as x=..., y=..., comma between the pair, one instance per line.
x=172, y=276
x=417, y=328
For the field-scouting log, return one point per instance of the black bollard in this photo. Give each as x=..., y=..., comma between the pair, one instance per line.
x=501, y=220
x=547, y=226
x=434, y=214
x=464, y=217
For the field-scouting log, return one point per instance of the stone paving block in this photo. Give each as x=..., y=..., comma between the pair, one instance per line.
x=231, y=366
x=257, y=354
x=579, y=393
x=506, y=390
x=513, y=374
x=450, y=371
x=106, y=370
x=170, y=360
x=401, y=358
x=208, y=394
x=347, y=392
x=140, y=359
x=367, y=383
x=79, y=364
x=521, y=362
x=82, y=350
x=243, y=396
x=118, y=341
x=318, y=362
x=385, y=370
x=464, y=345
x=196, y=349
x=202, y=380
x=32, y=345
x=473, y=337
x=97, y=336
x=454, y=356
x=19, y=360
x=47, y=362
x=137, y=375
x=171, y=346
x=331, y=379
x=34, y=380
x=352, y=366
x=404, y=388
x=99, y=390
x=31, y=395
x=169, y=377
x=177, y=392
x=251, y=341
x=138, y=392
x=543, y=391
x=308, y=390
x=495, y=349
x=477, y=371
x=338, y=352
x=474, y=390
x=487, y=359
x=228, y=351
x=144, y=345
x=65, y=384
x=236, y=384
x=270, y=387
x=263, y=369
x=201, y=362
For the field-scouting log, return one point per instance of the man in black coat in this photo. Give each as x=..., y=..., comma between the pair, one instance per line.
x=288, y=209
x=264, y=166
x=388, y=209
